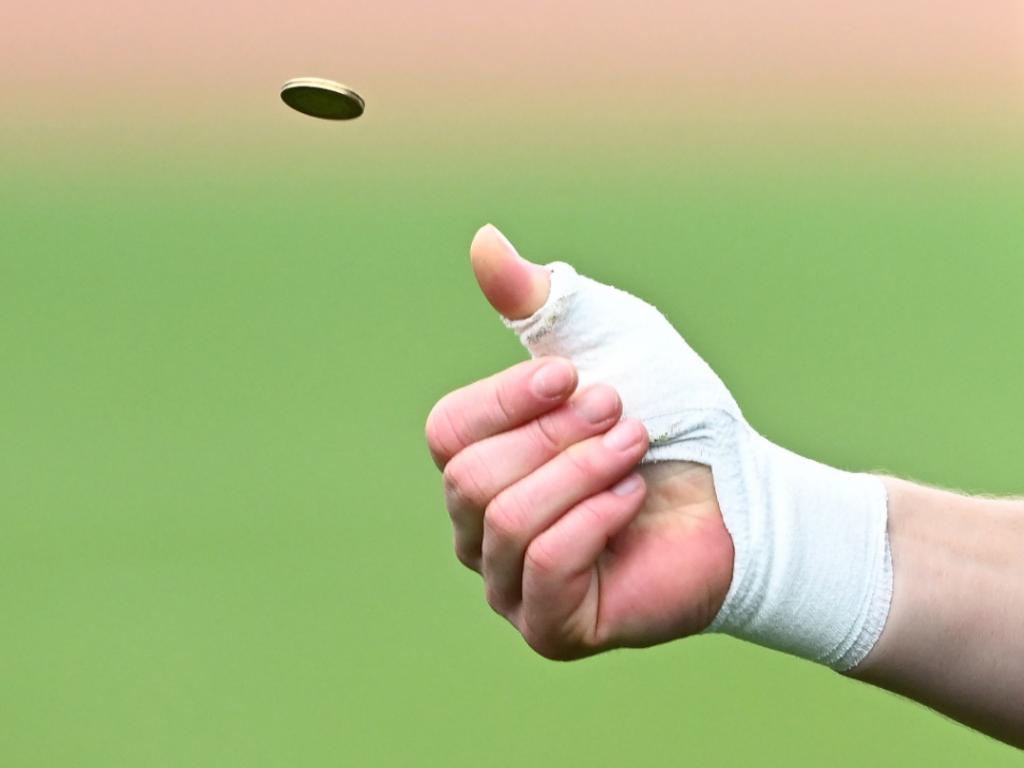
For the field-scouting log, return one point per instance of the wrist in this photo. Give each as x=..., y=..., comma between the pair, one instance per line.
x=813, y=570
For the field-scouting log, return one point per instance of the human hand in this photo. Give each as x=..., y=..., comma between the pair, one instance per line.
x=577, y=550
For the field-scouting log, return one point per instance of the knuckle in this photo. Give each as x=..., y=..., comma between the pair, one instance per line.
x=469, y=559
x=505, y=402
x=443, y=436
x=545, y=433
x=496, y=599
x=595, y=514
x=547, y=644
x=505, y=518
x=462, y=482
x=541, y=559
x=430, y=428
x=582, y=459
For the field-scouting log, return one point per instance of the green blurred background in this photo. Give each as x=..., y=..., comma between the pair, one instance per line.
x=222, y=324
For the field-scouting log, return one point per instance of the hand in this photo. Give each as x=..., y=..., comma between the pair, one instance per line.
x=579, y=551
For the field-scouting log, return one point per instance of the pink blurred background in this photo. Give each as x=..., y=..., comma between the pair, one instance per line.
x=415, y=59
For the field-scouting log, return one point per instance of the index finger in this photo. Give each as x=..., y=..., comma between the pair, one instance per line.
x=497, y=404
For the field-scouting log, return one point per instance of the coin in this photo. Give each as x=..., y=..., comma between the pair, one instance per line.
x=322, y=98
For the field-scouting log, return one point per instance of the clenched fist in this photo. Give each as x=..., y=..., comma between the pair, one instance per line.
x=580, y=548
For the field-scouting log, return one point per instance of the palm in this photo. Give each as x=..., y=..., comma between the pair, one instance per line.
x=667, y=574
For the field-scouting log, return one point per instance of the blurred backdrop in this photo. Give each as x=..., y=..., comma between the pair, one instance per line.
x=222, y=325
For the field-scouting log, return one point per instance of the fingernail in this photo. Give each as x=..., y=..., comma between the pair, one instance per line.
x=504, y=240
x=624, y=435
x=553, y=380
x=629, y=484
x=596, y=404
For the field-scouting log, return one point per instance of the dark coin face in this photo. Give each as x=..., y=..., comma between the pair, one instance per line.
x=322, y=98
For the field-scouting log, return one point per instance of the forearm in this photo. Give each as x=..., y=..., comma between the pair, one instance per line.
x=954, y=639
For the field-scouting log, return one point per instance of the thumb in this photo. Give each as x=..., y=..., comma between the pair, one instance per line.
x=515, y=287
x=615, y=338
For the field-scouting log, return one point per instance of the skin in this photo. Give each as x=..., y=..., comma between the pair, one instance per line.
x=954, y=639
x=582, y=551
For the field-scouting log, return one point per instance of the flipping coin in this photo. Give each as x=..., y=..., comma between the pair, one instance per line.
x=322, y=98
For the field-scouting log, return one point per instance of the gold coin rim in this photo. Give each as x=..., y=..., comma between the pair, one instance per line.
x=323, y=84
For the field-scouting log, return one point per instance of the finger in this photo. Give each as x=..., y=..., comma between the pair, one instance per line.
x=519, y=513
x=480, y=472
x=561, y=594
x=496, y=404
x=515, y=287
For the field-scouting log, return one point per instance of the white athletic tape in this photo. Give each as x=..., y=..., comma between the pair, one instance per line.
x=813, y=572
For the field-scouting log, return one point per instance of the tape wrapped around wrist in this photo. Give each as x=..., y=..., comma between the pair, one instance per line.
x=812, y=574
